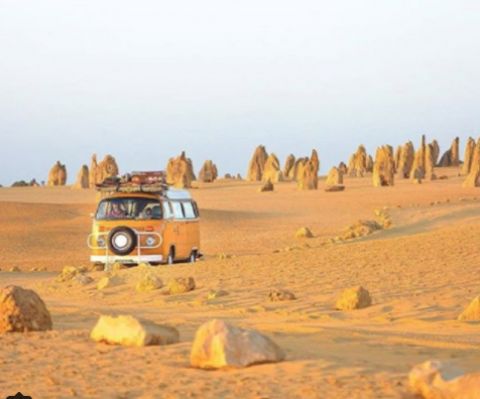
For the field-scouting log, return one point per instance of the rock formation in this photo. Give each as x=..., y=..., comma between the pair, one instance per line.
x=369, y=166
x=289, y=165
x=22, y=310
x=423, y=165
x=180, y=171
x=334, y=178
x=435, y=151
x=297, y=169
x=83, y=178
x=405, y=161
x=100, y=171
x=354, y=298
x=129, y=331
x=279, y=295
x=343, y=168
x=219, y=344
x=451, y=156
x=308, y=178
x=257, y=164
x=357, y=165
x=384, y=167
x=271, y=171
x=303, y=232
x=473, y=178
x=472, y=311
x=208, y=173
x=467, y=161
x=57, y=175
x=434, y=380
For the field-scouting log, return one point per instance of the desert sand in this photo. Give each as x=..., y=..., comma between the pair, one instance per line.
x=421, y=273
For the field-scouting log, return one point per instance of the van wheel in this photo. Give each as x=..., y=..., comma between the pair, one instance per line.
x=171, y=256
x=193, y=257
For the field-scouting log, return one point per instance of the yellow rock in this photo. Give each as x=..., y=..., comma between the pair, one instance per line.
x=129, y=331
x=354, y=298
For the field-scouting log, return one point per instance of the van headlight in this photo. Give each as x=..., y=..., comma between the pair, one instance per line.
x=101, y=242
x=150, y=241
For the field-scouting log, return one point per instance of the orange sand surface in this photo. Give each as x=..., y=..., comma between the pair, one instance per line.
x=421, y=273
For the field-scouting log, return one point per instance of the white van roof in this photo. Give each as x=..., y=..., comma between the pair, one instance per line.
x=177, y=194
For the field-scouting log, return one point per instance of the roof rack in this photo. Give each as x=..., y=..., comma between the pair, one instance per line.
x=146, y=182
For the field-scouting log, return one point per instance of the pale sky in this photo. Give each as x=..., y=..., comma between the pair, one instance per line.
x=143, y=80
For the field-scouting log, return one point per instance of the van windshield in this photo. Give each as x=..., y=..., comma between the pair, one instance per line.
x=128, y=209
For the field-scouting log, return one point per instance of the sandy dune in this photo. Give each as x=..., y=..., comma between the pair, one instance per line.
x=421, y=273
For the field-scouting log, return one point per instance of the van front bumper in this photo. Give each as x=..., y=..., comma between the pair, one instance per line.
x=127, y=259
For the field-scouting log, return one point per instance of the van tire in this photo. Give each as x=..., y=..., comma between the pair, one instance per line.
x=171, y=256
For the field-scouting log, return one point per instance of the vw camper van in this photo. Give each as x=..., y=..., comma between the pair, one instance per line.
x=139, y=219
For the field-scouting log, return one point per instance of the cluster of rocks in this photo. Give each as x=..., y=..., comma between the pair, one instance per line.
x=23, y=183
x=359, y=163
x=266, y=168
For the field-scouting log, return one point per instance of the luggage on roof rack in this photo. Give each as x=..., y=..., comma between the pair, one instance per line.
x=148, y=182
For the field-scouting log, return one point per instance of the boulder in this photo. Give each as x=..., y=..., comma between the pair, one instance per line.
x=469, y=151
x=267, y=186
x=303, y=232
x=334, y=177
x=22, y=310
x=472, y=311
x=57, y=175
x=271, y=171
x=289, y=165
x=451, y=156
x=384, y=167
x=357, y=164
x=100, y=171
x=405, y=162
x=208, y=173
x=130, y=331
x=281, y=295
x=83, y=178
x=353, y=298
x=148, y=282
x=257, y=164
x=219, y=344
x=180, y=285
x=473, y=178
x=308, y=178
x=180, y=171
x=435, y=380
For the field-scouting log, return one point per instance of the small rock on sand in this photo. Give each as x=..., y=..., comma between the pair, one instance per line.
x=354, y=298
x=108, y=282
x=22, y=310
x=281, y=295
x=129, y=331
x=14, y=269
x=213, y=294
x=149, y=282
x=472, y=311
x=219, y=344
x=304, y=232
x=180, y=285
x=334, y=189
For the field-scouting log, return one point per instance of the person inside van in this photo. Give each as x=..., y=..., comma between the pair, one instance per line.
x=116, y=211
x=147, y=213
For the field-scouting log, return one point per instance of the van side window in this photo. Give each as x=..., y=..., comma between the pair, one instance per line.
x=177, y=210
x=167, y=210
x=188, y=210
x=195, y=209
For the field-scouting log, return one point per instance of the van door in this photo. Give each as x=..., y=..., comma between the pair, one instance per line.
x=179, y=231
x=192, y=231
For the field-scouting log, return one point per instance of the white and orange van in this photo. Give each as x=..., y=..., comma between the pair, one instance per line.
x=141, y=220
